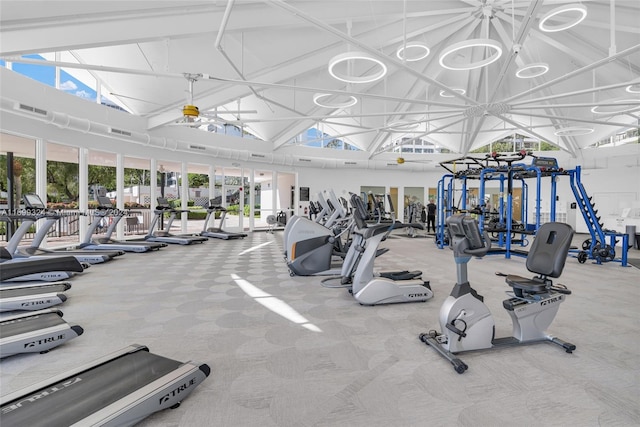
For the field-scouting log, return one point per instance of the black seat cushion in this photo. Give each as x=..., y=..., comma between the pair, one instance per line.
x=522, y=284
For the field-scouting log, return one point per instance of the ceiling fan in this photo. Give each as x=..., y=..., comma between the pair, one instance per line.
x=401, y=160
x=193, y=117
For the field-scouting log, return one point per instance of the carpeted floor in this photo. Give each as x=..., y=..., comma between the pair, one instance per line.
x=285, y=351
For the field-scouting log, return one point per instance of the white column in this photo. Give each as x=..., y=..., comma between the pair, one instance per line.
x=252, y=199
x=274, y=192
x=83, y=184
x=41, y=176
x=212, y=181
x=120, y=192
x=241, y=201
x=184, y=197
x=41, y=169
x=153, y=183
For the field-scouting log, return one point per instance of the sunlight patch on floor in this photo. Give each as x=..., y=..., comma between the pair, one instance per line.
x=274, y=304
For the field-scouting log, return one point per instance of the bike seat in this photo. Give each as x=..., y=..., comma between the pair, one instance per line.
x=523, y=285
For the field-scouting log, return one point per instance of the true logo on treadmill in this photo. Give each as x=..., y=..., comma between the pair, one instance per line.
x=40, y=395
x=176, y=391
x=44, y=341
x=38, y=302
x=49, y=275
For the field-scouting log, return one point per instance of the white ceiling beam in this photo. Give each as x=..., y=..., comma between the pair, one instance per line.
x=372, y=51
x=577, y=72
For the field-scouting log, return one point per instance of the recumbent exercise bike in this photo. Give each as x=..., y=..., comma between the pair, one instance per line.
x=467, y=323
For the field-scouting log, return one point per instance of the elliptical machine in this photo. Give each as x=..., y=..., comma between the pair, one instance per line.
x=467, y=323
x=370, y=288
x=310, y=247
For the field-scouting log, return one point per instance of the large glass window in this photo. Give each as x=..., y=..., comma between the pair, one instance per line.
x=21, y=181
x=63, y=191
x=42, y=73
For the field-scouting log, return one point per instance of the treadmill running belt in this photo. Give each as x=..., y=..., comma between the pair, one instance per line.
x=79, y=396
x=33, y=290
x=11, y=328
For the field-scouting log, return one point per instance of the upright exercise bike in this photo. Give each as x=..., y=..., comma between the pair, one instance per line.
x=466, y=321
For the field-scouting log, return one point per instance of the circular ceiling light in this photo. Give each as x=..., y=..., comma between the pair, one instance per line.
x=599, y=109
x=573, y=131
x=567, y=8
x=532, y=70
x=631, y=88
x=353, y=57
x=318, y=97
x=415, y=51
x=485, y=43
x=403, y=126
x=447, y=93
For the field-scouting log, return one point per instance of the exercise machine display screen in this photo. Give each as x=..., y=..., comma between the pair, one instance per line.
x=545, y=162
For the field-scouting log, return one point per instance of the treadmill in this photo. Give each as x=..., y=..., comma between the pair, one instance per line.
x=218, y=232
x=92, y=242
x=33, y=297
x=51, y=269
x=164, y=236
x=34, y=204
x=34, y=332
x=119, y=389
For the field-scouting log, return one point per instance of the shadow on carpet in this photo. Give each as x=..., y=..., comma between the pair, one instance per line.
x=634, y=262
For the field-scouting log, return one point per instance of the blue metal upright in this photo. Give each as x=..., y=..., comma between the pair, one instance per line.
x=598, y=249
x=444, y=208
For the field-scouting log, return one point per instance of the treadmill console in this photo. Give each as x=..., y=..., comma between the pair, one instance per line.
x=104, y=202
x=33, y=201
x=163, y=202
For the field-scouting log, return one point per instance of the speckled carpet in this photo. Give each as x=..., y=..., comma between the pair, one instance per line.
x=285, y=351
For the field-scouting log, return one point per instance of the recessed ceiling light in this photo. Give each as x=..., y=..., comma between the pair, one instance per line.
x=532, y=70
x=628, y=105
x=415, y=51
x=353, y=57
x=573, y=131
x=447, y=93
x=482, y=43
x=317, y=99
x=631, y=88
x=567, y=8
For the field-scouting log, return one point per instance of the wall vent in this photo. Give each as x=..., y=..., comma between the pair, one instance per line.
x=33, y=110
x=197, y=147
x=262, y=156
x=119, y=132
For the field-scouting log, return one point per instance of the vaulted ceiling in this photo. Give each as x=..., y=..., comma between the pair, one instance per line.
x=265, y=65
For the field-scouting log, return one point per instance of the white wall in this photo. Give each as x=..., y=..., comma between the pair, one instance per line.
x=608, y=174
x=343, y=181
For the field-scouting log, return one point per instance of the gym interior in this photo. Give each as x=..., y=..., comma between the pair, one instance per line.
x=232, y=198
